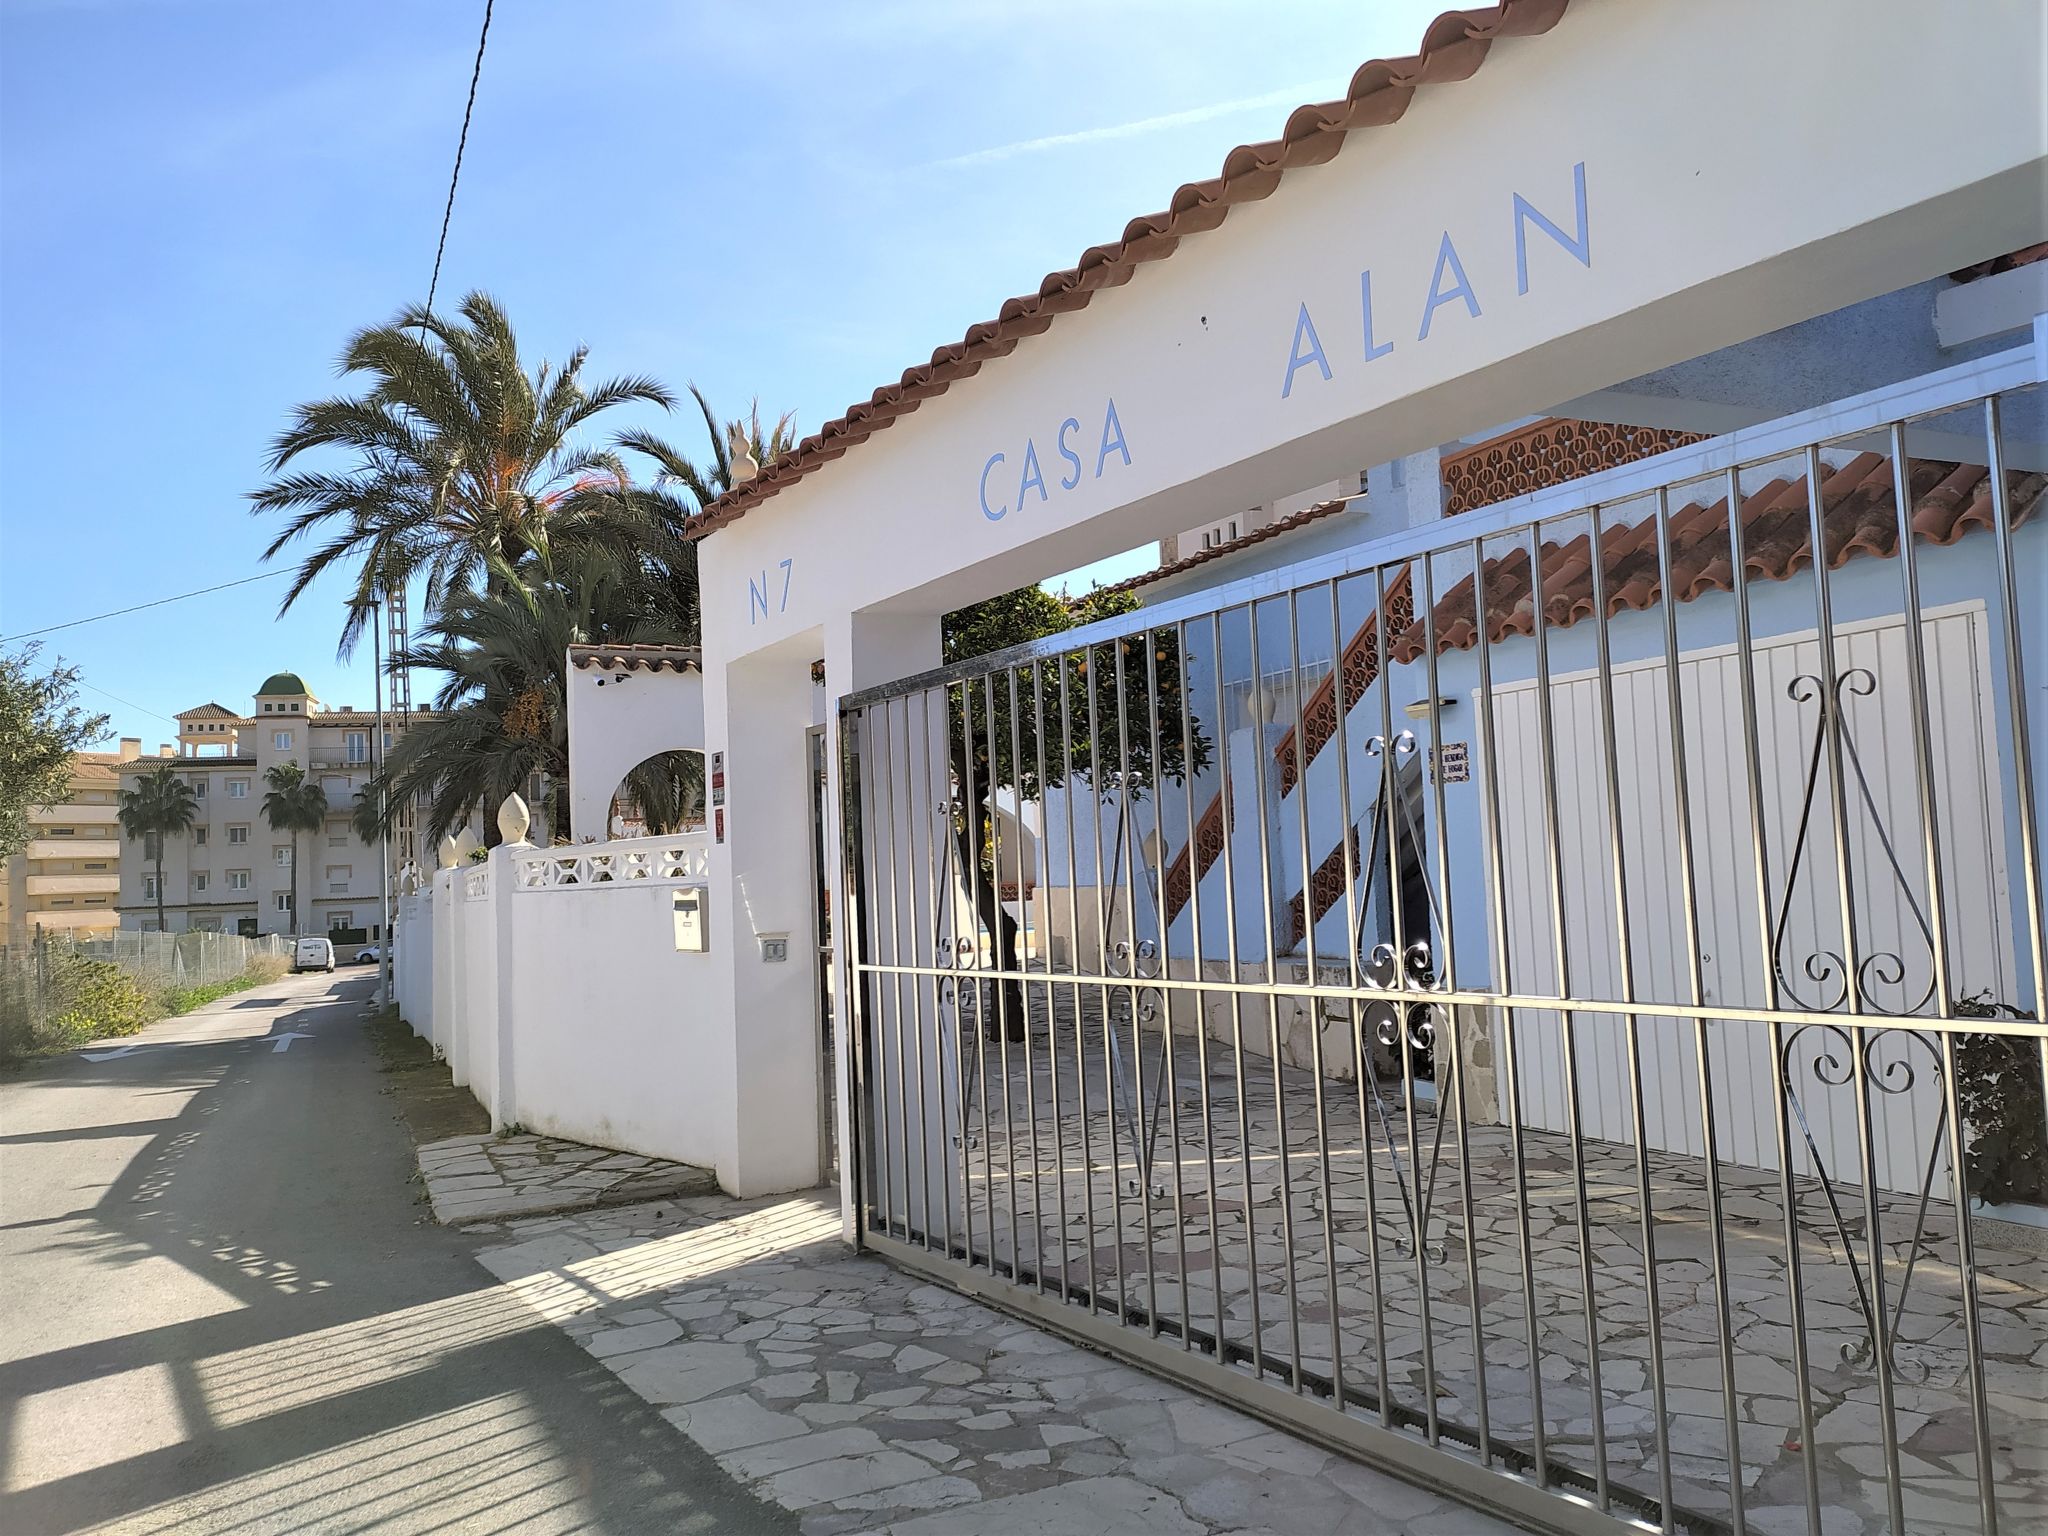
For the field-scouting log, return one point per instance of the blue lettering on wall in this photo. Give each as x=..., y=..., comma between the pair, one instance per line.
x=1527, y=214
x=1304, y=329
x=1032, y=476
x=1449, y=283
x=1447, y=259
x=1073, y=458
x=1365, y=305
x=1112, y=437
x=757, y=592
x=999, y=513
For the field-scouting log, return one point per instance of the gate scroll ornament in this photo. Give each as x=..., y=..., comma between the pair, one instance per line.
x=1402, y=1023
x=1839, y=984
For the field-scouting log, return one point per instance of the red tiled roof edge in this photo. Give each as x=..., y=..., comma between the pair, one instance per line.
x=637, y=658
x=1859, y=517
x=1273, y=530
x=1452, y=49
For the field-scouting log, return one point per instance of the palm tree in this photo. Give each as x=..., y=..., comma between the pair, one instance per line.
x=501, y=717
x=294, y=804
x=160, y=805
x=465, y=464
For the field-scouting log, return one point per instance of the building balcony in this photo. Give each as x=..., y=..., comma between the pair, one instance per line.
x=74, y=917
x=108, y=884
x=73, y=815
x=73, y=848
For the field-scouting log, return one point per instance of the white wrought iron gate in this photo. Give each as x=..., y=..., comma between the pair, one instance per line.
x=1551, y=1051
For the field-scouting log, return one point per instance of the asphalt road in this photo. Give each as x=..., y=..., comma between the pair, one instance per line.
x=222, y=1308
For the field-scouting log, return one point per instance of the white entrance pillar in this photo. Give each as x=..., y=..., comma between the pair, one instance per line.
x=758, y=709
x=863, y=650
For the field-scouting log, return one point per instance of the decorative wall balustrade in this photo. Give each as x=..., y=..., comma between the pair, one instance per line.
x=1546, y=453
x=679, y=859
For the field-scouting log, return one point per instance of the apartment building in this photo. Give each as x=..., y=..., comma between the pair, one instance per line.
x=68, y=878
x=232, y=873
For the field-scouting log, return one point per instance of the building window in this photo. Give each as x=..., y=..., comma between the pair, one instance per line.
x=282, y=901
x=61, y=831
x=338, y=876
x=282, y=855
x=199, y=882
x=237, y=835
x=198, y=787
x=282, y=740
x=199, y=837
x=149, y=887
x=357, y=746
x=238, y=879
x=91, y=867
x=238, y=789
x=337, y=920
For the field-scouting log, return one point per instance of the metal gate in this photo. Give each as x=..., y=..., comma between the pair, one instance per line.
x=1551, y=1049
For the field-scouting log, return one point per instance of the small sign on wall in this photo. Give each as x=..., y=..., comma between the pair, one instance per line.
x=1450, y=762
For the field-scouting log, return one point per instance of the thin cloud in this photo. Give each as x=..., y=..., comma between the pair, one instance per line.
x=1290, y=96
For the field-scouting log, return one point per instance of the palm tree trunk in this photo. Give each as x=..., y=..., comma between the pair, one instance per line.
x=292, y=895
x=159, y=882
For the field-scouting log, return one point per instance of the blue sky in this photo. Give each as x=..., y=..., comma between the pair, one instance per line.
x=200, y=199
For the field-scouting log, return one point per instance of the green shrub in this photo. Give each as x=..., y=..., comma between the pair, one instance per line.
x=1999, y=1084
x=94, y=998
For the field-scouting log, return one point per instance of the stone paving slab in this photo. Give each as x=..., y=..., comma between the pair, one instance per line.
x=867, y=1400
x=491, y=1178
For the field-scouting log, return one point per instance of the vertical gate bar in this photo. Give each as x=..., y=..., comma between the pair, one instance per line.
x=999, y=963
x=1937, y=903
x=1760, y=850
x=1194, y=855
x=970, y=879
x=854, y=1156
x=1546, y=738
x=1091, y=675
x=1074, y=962
x=933, y=863
x=911, y=818
x=1244, y=1133
x=1632, y=1023
x=1360, y=1045
x=1303, y=760
x=1170, y=1066
x=1852, y=981
x=1024, y=935
x=1497, y=921
x=871, y=875
x=1128, y=840
x=2016, y=707
x=1052, y=1023
x=1397, y=927
x=1273, y=1035
x=1681, y=795
x=1447, y=973
x=898, y=980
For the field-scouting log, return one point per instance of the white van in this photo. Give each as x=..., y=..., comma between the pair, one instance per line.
x=312, y=955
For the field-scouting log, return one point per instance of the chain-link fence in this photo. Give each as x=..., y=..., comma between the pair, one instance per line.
x=59, y=990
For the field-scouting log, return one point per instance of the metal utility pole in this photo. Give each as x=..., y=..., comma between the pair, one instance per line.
x=380, y=789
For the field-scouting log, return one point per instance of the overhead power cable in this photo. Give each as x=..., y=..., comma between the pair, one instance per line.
x=461, y=143
x=51, y=629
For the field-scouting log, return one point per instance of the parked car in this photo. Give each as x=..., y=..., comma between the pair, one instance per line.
x=369, y=954
x=313, y=955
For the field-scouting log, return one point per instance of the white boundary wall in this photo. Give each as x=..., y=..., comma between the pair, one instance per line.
x=551, y=982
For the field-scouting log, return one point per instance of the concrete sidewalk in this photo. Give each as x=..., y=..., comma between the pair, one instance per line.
x=866, y=1400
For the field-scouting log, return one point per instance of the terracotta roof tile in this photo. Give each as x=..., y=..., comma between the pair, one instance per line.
x=1859, y=517
x=1452, y=49
x=637, y=658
